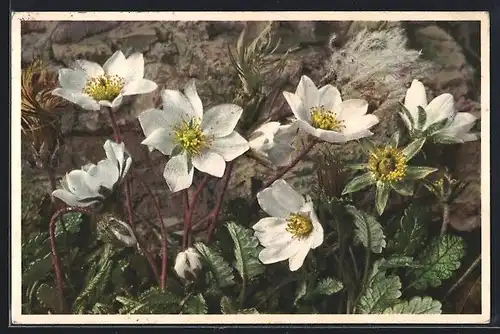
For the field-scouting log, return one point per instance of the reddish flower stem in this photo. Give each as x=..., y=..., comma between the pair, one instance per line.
x=128, y=202
x=189, y=207
x=156, y=204
x=56, y=263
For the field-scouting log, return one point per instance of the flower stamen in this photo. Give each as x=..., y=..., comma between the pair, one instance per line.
x=322, y=118
x=299, y=225
x=388, y=164
x=104, y=87
x=190, y=136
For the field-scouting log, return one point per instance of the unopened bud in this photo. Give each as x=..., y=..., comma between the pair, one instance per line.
x=188, y=264
x=111, y=229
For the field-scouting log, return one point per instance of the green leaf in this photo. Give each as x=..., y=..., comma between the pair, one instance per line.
x=394, y=140
x=417, y=305
x=228, y=307
x=396, y=261
x=358, y=183
x=438, y=126
x=47, y=296
x=72, y=222
x=404, y=188
x=326, y=287
x=246, y=251
x=360, y=166
x=37, y=270
x=422, y=117
x=366, y=145
x=405, y=112
x=439, y=260
x=411, y=232
x=153, y=301
x=368, y=230
x=381, y=196
x=413, y=148
x=441, y=139
x=195, y=304
x=382, y=292
x=221, y=273
x=416, y=173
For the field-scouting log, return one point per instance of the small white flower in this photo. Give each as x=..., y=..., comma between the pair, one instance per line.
x=274, y=142
x=92, y=86
x=93, y=183
x=187, y=263
x=193, y=138
x=293, y=228
x=323, y=114
x=442, y=122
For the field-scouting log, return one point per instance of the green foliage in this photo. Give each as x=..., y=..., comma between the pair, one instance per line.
x=220, y=274
x=416, y=305
x=152, y=301
x=246, y=252
x=325, y=287
x=411, y=232
x=194, y=304
x=382, y=292
x=368, y=230
x=227, y=306
x=438, y=262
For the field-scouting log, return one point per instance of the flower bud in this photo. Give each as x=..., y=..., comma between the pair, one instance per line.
x=187, y=264
x=111, y=229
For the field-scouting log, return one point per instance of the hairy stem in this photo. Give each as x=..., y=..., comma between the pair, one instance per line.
x=189, y=208
x=220, y=199
x=156, y=205
x=446, y=218
x=56, y=263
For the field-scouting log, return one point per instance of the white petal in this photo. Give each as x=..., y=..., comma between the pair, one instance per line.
x=117, y=102
x=128, y=163
x=415, y=97
x=329, y=97
x=174, y=99
x=112, y=151
x=153, y=119
x=230, y=147
x=276, y=254
x=70, y=199
x=176, y=173
x=193, y=98
x=287, y=133
x=209, y=162
x=462, y=123
x=78, y=183
x=352, y=108
x=300, y=111
x=84, y=101
x=220, y=120
x=308, y=92
x=269, y=223
x=287, y=196
x=297, y=260
x=106, y=103
x=72, y=79
x=90, y=68
x=117, y=65
x=440, y=108
x=280, y=154
x=465, y=137
x=325, y=135
x=317, y=235
x=135, y=64
x=140, y=86
x=274, y=238
x=358, y=125
x=106, y=174
x=160, y=139
x=271, y=205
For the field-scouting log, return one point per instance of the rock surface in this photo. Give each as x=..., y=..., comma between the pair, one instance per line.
x=175, y=52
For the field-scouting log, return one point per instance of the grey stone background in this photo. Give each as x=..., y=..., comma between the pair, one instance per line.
x=175, y=52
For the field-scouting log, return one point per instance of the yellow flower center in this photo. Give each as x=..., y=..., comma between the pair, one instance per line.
x=325, y=119
x=190, y=136
x=299, y=225
x=104, y=87
x=388, y=164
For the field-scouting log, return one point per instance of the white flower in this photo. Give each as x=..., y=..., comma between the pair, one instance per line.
x=187, y=263
x=192, y=138
x=323, y=114
x=93, y=183
x=92, y=86
x=293, y=228
x=441, y=121
x=274, y=142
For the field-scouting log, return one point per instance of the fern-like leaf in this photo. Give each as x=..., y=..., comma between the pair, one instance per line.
x=382, y=292
x=417, y=305
x=246, y=251
x=368, y=230
x=195, y=304
x=227, y=306
x=411, y=232
x=220, y=272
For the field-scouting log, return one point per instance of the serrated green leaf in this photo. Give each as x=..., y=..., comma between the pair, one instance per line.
x=221, y=273
x=397, y=261
x=228, y=307
x=413, y=148
x=404, y=188
x=368, y=230
x=382, y=196
x=72, y=222
x=416, y=173
x=439, y=260
x=246, y=251
x=195, y=304
x=47, y=296
x=417, y=305
x=326, y=287
x=152, y=301
x=358, y=183
x=35, y=244
x=37, y=270
x=382, y=292
x=411, y=232
x=422, y=117
x=405, y=112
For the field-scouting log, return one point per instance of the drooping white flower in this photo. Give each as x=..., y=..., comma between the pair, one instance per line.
x=187, y=263
x=274, y=142
x=91, y=86
x=93, y=183
x=322, y=113
x=293, y=228
x=438, y=119
x=193, y=138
